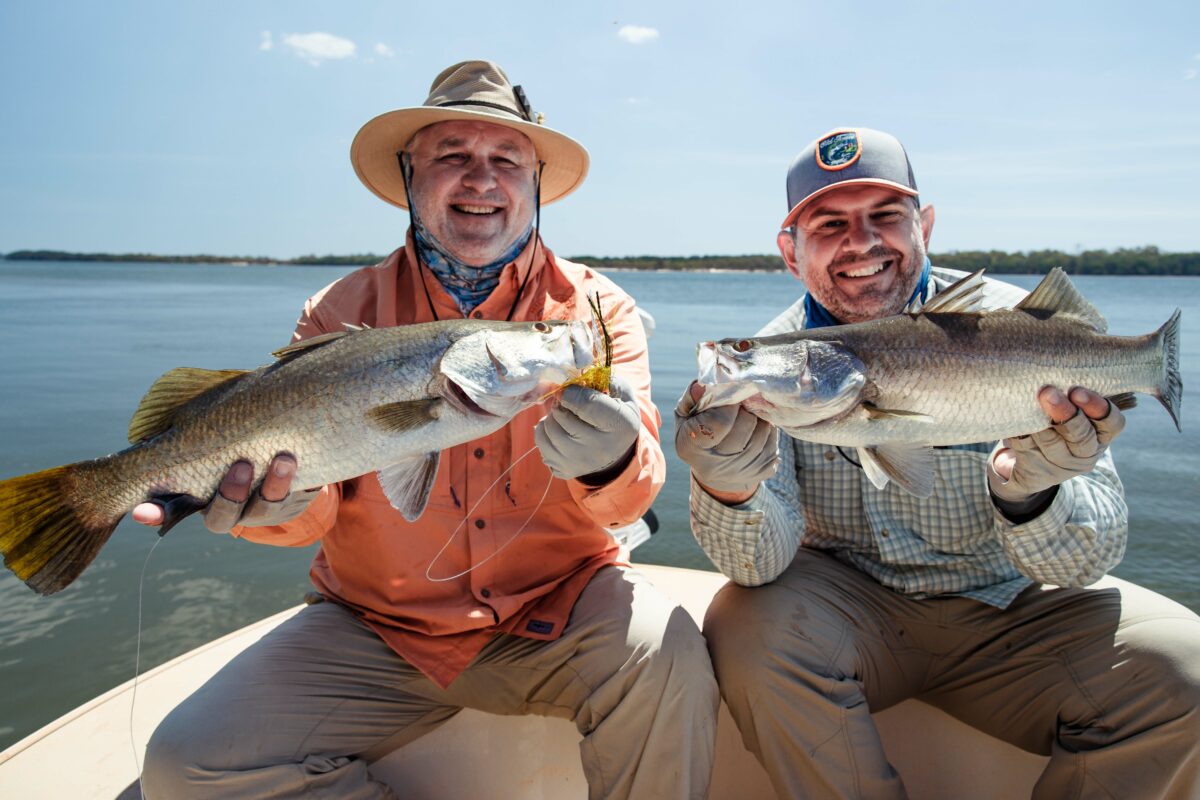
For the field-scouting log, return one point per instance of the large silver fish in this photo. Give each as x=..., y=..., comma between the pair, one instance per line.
x=950, y=374
x=344, y=404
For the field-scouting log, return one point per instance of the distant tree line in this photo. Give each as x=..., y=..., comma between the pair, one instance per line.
x=1124, y=261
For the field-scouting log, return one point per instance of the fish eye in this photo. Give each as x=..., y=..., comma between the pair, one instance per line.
x=541, y=327
x=743, y=345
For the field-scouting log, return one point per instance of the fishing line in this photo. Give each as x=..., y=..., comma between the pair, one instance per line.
x=137, y=662
x=510, y=540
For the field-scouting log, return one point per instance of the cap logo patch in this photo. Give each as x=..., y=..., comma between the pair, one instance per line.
x=838, y=150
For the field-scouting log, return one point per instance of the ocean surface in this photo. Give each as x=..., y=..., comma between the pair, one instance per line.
x=80, y=343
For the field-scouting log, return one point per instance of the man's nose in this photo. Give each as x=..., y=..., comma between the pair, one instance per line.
x=862, y=235
x=481, y=176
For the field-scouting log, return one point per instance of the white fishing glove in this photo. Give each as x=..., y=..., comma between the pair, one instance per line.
x=728, y=448
x=1052, y=456
x=588, y=431
x=222, y=514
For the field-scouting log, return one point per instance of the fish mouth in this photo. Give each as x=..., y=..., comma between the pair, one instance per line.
x=458, y=397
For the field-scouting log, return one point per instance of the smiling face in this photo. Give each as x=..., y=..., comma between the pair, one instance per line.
x=473, y=187
x=859, y=250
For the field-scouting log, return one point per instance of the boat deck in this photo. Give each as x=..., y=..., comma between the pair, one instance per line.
x=89, y=752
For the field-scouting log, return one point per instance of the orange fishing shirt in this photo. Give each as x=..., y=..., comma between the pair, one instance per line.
x=438, y=589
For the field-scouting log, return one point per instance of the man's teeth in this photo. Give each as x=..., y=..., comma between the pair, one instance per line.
x=476, y=209
x=870, y=269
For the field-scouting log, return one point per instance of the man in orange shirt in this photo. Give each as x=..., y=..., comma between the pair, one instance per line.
x=506, y=594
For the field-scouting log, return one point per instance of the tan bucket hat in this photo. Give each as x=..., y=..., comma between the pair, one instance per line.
x=469, y=90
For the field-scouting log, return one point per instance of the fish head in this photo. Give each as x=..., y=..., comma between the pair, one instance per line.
x=505, y=366
x=789, y=381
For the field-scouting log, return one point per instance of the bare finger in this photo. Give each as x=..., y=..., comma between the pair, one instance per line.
x=235, y=486
x=278, y=480
x=148, y=514
x=1056, y=404
x=1094, y=405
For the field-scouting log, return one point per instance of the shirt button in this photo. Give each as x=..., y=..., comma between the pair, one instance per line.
x=829, y=456
x=477, y=314
x=480, y=523
x=884, y=532
x=479, y=452
x=486, y=592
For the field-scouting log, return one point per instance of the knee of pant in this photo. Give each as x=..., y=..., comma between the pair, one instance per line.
x=1161, y=674
x=756, y=633
x=683, y=648
x=168, y=757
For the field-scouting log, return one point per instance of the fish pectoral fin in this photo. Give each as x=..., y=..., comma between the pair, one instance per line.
x=304, y=345
x=406, y=415
x=407, y=483
x=965, y=296
x=911, y=467
x=156, y=412
x=1057, y=296
x=874, y=413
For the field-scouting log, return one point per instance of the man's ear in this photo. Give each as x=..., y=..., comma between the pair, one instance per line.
x=927, y=217
x=786, y=241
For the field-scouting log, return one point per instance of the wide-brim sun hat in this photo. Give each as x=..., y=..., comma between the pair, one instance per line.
x=476, y=91
x=847, y=156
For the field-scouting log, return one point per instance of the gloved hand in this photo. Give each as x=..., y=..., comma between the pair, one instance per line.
x=728, y=448
x=588, y=431
x=1083, y=425
x=234, y=504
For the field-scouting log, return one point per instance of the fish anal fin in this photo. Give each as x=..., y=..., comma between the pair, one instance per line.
x=1124, y=401
x=169, y=393
x=176, y=507
x=964, y=296
x=405, y=415
x=304, y=345
x=1057, y=296
x=407, y=483
x=911, y=467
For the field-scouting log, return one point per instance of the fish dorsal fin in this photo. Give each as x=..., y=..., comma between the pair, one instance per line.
x=351, y=327
x=912, y=468
x=964, y=296
x=156, y=412
x=304, y=345
x=1056, y=295
x=407, y=483
x=405, y=415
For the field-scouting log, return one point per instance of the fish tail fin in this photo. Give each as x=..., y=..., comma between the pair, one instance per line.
x=49, y=529
x=1170, y=391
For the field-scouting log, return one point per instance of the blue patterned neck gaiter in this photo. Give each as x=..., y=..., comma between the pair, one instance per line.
x=469, y=286
x=817, y=316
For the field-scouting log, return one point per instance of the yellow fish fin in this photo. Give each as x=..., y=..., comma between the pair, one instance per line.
x=156, y=412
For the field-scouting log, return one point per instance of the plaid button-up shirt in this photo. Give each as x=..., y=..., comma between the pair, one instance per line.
x=955, y=542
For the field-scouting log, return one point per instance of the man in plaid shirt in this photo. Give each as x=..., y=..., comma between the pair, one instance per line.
x=846, y=599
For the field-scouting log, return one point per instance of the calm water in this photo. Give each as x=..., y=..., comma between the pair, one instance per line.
x=80, y=343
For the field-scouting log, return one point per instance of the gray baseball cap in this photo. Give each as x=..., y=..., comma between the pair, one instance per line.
x=847, y=155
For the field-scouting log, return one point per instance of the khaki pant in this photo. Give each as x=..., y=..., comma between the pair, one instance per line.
x=1104, y=680
x=304, y=711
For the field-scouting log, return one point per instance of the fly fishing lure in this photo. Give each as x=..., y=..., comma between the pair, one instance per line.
x=599, y=375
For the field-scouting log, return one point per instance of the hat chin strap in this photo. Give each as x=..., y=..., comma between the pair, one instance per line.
x=405, y=160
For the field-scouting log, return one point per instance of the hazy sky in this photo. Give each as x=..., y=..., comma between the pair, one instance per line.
x=224, y=128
